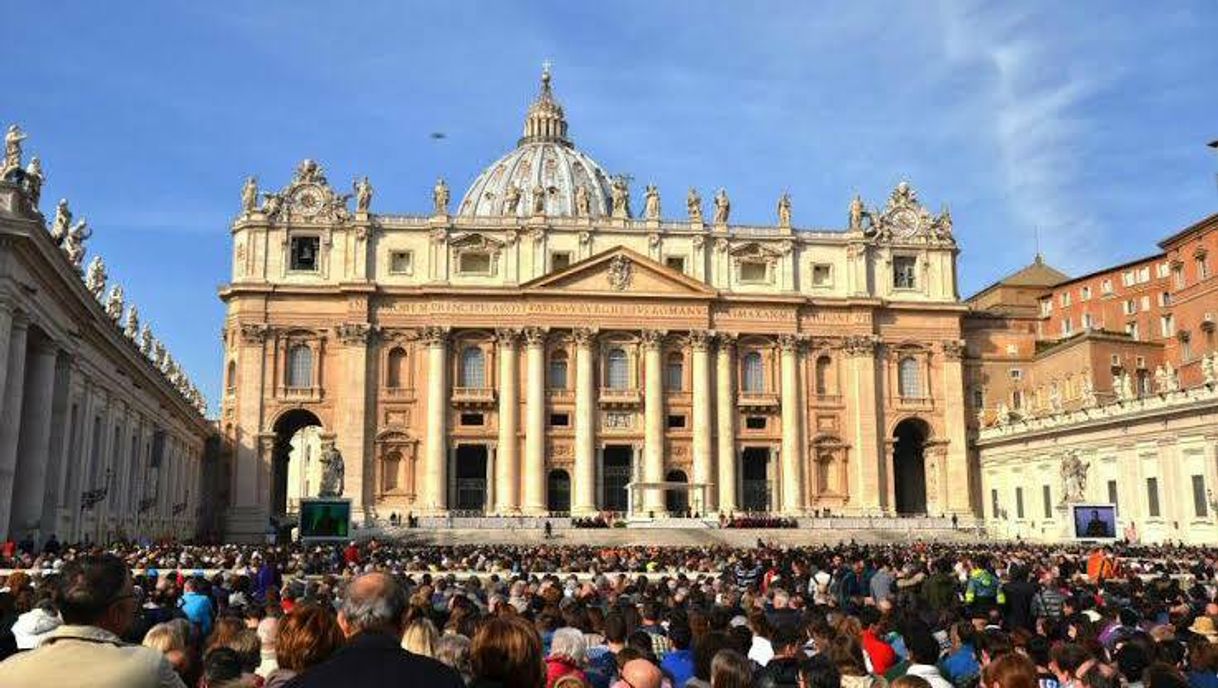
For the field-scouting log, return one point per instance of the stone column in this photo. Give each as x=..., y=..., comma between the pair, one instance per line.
x=35, y=440
x=10, y=417
x=725, y=406
x=584, y=487
x=534, y=500
x=955, y=459
x=864, y=424
x=352, y=432
x=61, y=427
x=435, y=461
x=247, y=519
x=653, y=419
x=702, y=420
x=507, y=456
x=792, y=437
x=6, y=332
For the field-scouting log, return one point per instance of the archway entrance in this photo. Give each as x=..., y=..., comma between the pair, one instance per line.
x=471, y=477
x=558, y=491
x=909, y=466
x=676, y=501
x=755, y=465
x=615, y=472
x=297, y=436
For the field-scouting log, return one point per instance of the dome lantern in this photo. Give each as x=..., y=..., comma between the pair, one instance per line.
x=545, y=122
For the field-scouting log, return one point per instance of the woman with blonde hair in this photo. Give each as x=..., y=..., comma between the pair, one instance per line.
x=421, y=638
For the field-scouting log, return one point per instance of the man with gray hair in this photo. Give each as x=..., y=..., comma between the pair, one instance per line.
x=372, y=617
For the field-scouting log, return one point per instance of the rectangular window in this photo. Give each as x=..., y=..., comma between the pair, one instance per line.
x=1177, y=273
x=1162, y=270
x=1106, y=286
x=1131, y=306
x=1084, y=293
x=1131, y=329
x=401, y=262
x=1203, y=268
x=1087, y=321
x=1145, y=303
x=1046, y=307
x=559, y=420
x=1200, y=503
x=754, y=422
x=904, y=272
x=674, y=374
x=1152, y=497
x=304, y=251
x=822, y=275
x=755, y=271
x=1067, y=327
x=1143, y=274
x=1065, y=298
x=1046, y=494
x=994, y=503
x=1186, y=349
x=1112, y=495
x=1167, y=326
x=1165, y=298
x=474, y=263
x=559, y=260
x=675, y=263
x=676, y=421
x=1127, y=278
x=1019, y=502
x=1016, y=374
x=472, y=419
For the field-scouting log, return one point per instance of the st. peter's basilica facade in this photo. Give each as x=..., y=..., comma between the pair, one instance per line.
x=542, y=349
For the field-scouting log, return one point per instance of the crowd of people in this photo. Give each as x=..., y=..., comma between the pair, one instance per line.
x=923, y=615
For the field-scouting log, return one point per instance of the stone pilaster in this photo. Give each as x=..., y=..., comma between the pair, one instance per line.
x=703, y=421
x=725, y=408
x=534, y=500
x=10, y=416
x=584, y=487
x=353, y=424
x=792, y=435
x=955, y=460
x=247, y=519
x=435, y=460
x=653, y=419
x=864, y=428
x=507, y=454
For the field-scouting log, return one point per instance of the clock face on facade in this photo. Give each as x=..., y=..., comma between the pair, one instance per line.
x=307, y=200
x=904, y=222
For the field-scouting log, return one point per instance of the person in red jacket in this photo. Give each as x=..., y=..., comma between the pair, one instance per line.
x=351, y=553
x=881, y=654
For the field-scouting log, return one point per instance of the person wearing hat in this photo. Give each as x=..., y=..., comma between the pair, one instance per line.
x=1204, y=626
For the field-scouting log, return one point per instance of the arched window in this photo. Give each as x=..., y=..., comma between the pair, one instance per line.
x=558, y=370
x=824, y=381
x=674, y=372
x=473, y=367
x=753, y=376
x=396, y=366
x=393, y=463
x=616, y=371
x=230, y=377
x=300, y=367
x=909, y=381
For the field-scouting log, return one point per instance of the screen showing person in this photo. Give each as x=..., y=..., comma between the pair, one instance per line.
x=325, y=519
x=1093, y=521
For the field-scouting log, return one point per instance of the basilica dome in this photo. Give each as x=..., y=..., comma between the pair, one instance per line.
x=545, y=171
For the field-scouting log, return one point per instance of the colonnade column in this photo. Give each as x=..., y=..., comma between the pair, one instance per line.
x=703, y=461
x=534, y=501
x=584, y=502
x=10, y=416
x=31, y=473
x=507, y=454
x=792, y=436
x=435, y=460
x=352, y=437
x=725, y=400
x=653, y=420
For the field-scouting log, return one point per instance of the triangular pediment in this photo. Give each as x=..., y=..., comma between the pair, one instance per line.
x=620, y=271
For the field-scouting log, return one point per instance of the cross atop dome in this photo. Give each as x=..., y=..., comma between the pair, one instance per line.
x=545, y=122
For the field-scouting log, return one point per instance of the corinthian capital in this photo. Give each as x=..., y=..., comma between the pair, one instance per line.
x=354, y=334
x=700, y=340
x=790, y=342
x=434, y=335
x=507, y=336
x=953, y=349
x=534, y=336
x=860, y=345
x=583, y=336
x=652, y=339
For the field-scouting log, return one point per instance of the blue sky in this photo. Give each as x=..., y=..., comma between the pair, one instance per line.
x=1084, y=120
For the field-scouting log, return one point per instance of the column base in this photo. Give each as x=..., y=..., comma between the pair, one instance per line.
x=246, y=524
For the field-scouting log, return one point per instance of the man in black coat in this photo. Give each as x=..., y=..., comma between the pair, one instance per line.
x=371, y=617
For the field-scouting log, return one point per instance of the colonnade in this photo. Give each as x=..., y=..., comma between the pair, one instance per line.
x=521, y=481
